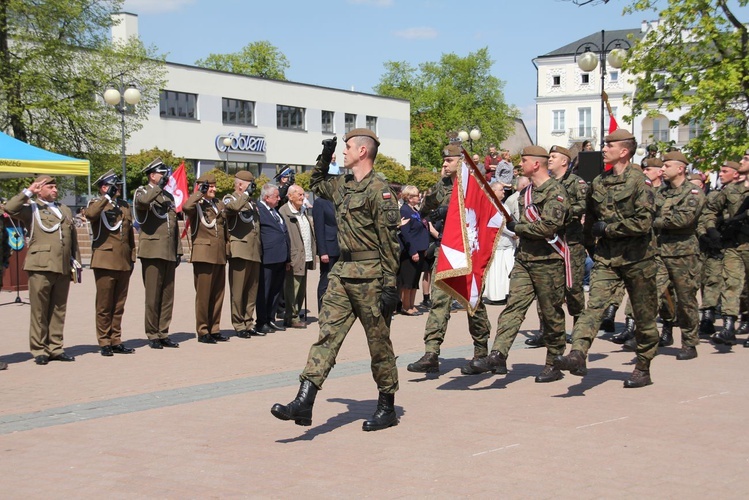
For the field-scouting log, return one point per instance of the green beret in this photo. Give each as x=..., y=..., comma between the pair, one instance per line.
x=361, y=132
x=245, y=175
x=619, y=134
x=534, y=151
x=451, y=150
x=676, y=156
x=207, y=177
x=651, y=163
x=561, y=150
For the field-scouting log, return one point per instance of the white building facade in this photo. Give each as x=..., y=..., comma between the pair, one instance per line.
x=272, y=124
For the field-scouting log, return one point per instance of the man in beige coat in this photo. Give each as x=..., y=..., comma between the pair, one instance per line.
x=112, y=259
x=208, y=257
x=302, y=239
x=53, y=252
x=245, y=253
x=159, y=251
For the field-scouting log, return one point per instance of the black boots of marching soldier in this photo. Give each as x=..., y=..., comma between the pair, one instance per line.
x=384, y=416
x=299, y=410
x=607, y=324
x=667, y=334
x=727, y=335
x=627, y=333
x=428, y=363
x=707, y=326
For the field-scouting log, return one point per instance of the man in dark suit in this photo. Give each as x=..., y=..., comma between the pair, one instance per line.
x=326, y=232
x=276, y=257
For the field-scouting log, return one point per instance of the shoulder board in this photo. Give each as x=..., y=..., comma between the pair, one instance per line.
x=386, y=195
x=94, y=200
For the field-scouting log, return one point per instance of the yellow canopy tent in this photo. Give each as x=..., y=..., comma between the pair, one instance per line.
x=18, y=159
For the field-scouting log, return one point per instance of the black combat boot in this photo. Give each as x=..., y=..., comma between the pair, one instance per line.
x=706, y=323
x=607, y=324
x=639, y=378
x=574, y=362
x=494, y=362
x=384, y=416
x=536, y=340
x=687, y=352
x=549, y=374
x=429, y=363
x=300, y=410
x=627, y=333
x=667, y=334
x=743, y=327
x=727, y=335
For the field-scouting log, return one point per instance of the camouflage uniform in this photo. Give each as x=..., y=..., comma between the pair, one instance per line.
x=577, y=195
x=538, y=272
x=368, y=219
x=677, y=213
x=626, y=253
x=736, y=255
x=439, y=315
x=711, y=280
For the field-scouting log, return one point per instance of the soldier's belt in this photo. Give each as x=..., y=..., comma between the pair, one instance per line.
x=357, y=256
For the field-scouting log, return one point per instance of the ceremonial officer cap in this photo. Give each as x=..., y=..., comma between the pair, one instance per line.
x=361, y=132
x=108, y=178
x=207, y=177
x=451, y=150
x=651, y=163
x=157, y=166
x=534, y=151
x=245, y=175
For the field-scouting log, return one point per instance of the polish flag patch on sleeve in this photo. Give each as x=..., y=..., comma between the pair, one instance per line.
x=386, y=195
x=560, y=198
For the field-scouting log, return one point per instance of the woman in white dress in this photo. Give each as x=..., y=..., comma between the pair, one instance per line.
x=498, y=276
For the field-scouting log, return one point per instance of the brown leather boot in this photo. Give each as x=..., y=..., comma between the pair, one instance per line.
x=639, y=378
x=429, y=363
x=574, y=362
x=494, y=362
x=549, y=374
x=687, y=352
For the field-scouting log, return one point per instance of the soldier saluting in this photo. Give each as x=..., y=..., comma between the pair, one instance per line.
x=113, y=247
x=159, y=251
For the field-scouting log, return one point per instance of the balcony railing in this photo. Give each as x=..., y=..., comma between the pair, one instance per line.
x=583, y=133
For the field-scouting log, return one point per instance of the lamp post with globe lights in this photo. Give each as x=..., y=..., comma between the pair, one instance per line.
x=473, y=135
x=227, y=143
x=588, y=55
x=120, y=98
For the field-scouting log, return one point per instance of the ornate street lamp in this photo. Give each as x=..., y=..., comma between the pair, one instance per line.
x=119, y=98
x=473, y=135
x=227, y=142
x=589, y=56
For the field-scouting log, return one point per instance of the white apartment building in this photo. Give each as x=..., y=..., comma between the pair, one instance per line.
x=568, y=99
x=271, y=123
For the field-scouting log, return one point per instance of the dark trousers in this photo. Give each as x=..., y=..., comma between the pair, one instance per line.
x=268, y=291
x=322, y=285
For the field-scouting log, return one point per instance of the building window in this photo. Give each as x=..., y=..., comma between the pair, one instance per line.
x=661, y=130
x=583, y=122
x=350, y=122
x=556, y=80
x=613, y=76
x=237, y=111
x=585, y=78
x=290, y=117
x=558, y=119
x=327, y=121
x=372, y=123
x=695, y=129
x=178, y=105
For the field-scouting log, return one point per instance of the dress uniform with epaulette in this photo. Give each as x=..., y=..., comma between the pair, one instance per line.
x=52, y=254
x=159, y=251
x=245, y=253
x=112, y=259
x=208, y=258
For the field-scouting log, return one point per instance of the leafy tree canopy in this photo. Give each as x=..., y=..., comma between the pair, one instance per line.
x=261, y=59
x=451, y=94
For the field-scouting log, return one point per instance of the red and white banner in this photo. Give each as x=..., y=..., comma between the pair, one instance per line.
x=473, y=222
x=177, y=185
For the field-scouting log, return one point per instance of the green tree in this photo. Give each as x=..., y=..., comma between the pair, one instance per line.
x=394, y=172
x=422, y=178
x=451, y=94
x=261, y=59
x=137, y=162
x=55, y=59
x=303, y=179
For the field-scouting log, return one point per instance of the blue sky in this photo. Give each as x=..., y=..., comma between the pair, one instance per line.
x=344, y=43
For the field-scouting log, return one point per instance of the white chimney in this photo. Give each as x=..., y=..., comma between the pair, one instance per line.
x=125, y=26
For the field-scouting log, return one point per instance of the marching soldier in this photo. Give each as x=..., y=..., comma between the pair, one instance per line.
x=113, y=258
x=159, y=251
x=245, y=253
x=362, y=283
x=620, y=215
x=539, y=270
x=53, y=253
x=735, y=238
x=208, y=257
x=679, y=204
x=435, y=205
